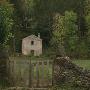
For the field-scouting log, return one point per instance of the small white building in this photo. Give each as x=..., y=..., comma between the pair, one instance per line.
x=32, y=45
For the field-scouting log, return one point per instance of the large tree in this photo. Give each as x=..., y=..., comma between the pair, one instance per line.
x=71, y=31
x=58, y=34
x=6, y=21
x=65, y=32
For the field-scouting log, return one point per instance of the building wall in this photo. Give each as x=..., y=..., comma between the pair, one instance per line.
x=27, y=47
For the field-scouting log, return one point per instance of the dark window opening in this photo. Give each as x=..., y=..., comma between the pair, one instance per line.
x=32, y=42
x=32, y=52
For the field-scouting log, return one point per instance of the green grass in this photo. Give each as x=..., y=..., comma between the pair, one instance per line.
x=83, y=63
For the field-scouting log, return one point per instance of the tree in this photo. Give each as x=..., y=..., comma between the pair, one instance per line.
x=87, y=15
x=87, y=7
x=6, y=22
x=23, y=22
x=58, y=34
x=65, y=32
x=71, y=31
x=87, y=23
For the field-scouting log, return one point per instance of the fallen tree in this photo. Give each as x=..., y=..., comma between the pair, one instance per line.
x=66, y=72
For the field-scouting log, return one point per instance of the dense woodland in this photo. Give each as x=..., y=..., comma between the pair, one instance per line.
x=64, y=25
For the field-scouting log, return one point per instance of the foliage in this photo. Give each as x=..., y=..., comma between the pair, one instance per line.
x=58, y=34
x=6, y=22
x=87, y=7
x=37, y=16
x=71, y=30
x=87, y=19
x=65, y=31
x=88, y=23
x=58, y=28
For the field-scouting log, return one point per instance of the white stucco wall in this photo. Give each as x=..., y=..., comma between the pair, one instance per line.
x=27, y=47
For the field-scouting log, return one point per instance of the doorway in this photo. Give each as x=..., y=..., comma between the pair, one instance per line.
x=32, y=52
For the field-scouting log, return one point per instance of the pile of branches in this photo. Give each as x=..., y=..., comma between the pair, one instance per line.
x=66, y=72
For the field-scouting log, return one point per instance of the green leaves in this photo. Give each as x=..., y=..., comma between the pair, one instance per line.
x=70, y=23
x=71, y=32
x=6, y=22
x=65, y=30
x=58, y=27
x=88, y=22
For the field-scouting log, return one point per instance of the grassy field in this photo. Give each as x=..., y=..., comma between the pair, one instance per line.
x=83, y=63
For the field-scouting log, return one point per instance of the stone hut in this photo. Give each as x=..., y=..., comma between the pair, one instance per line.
x=32, y=45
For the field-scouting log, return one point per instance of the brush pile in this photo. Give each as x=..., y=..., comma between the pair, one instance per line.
x=65, y=72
